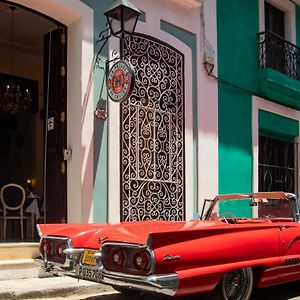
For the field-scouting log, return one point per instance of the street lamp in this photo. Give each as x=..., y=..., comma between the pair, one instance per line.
x=122, y=18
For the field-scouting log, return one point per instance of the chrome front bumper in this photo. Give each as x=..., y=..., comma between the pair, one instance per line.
x=166, y=284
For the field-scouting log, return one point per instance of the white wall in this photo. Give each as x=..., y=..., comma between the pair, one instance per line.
x=187, y=19
x=208, y=108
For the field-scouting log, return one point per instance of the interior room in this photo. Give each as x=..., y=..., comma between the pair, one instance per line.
x=22, y=77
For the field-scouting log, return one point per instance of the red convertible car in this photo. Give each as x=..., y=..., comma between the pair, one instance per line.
x=240, y=241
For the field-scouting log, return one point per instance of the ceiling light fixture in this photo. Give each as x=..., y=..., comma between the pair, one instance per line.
x=14, y=99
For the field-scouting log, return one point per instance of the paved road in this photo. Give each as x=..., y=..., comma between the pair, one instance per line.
x=289, y=291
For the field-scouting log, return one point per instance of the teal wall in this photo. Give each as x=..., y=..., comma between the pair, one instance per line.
x=235, y=140
x=235, y=145
x=100, y=127
x=237, y=25
x=189, y=39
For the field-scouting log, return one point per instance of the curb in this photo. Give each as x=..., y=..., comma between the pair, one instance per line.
x=49, y=287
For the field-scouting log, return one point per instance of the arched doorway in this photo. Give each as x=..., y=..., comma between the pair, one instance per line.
x=152, y=134
x=32, y=56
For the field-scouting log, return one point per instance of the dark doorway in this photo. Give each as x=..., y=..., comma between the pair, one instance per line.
x=22, y=132
x=274, y=20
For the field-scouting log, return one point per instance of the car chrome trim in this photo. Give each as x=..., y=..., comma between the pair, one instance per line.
x=98, y=255
x=166, y=284
x=168, y=257
x=54, y=268
x=39, y=230
x=70, y=251
x=149, y=240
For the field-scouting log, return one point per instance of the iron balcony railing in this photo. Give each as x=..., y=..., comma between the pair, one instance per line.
x=278, y=54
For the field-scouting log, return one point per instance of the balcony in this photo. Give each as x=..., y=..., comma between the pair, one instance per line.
x=279, y=74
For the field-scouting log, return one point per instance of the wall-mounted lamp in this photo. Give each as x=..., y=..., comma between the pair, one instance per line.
x=122, y=18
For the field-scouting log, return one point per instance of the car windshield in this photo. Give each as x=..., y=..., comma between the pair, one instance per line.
x=225, y=208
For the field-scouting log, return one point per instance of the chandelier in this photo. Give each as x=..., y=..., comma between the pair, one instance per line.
x=14, y=98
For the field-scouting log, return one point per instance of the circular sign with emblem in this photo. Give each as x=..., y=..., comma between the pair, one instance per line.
x=120, y=81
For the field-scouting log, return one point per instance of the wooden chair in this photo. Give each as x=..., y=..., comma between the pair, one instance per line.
x=13, y=199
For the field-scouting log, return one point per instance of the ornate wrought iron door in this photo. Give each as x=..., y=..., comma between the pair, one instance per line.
x=152, y=130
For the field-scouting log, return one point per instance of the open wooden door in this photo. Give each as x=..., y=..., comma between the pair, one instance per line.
x=55, y=91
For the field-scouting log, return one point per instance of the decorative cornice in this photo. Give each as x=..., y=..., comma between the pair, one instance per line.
x=279, y=87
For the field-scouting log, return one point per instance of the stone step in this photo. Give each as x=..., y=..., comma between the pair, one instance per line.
x=20, y=269
x=10, y=251
x=17, y=261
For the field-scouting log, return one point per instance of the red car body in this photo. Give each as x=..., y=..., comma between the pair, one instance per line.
x=225, y=256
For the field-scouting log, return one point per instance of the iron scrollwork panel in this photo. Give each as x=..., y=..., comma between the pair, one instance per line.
x=152, y=130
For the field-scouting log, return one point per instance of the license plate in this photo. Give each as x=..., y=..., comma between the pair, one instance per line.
x=88, y=258
x=89, y=273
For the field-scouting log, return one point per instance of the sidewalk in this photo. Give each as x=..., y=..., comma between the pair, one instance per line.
x=48, y=287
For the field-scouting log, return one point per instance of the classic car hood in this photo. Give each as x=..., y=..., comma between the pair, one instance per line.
x=90, y=235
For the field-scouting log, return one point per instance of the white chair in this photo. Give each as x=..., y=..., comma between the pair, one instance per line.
x=13, y=199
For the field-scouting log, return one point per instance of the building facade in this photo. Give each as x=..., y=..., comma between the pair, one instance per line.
x=215, y=106
x=258, y=88
x=145, y=158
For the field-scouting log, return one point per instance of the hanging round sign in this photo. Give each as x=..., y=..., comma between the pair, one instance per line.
x=120, y=81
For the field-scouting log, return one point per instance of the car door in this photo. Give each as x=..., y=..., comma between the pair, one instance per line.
x=290, y=251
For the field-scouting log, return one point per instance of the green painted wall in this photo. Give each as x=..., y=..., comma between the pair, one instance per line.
x=189, y=39
x=235, y=140
x=238, y=25
x=100, y=127
x=235, y=143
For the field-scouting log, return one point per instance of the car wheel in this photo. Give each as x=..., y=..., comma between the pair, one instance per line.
x=237, y=284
